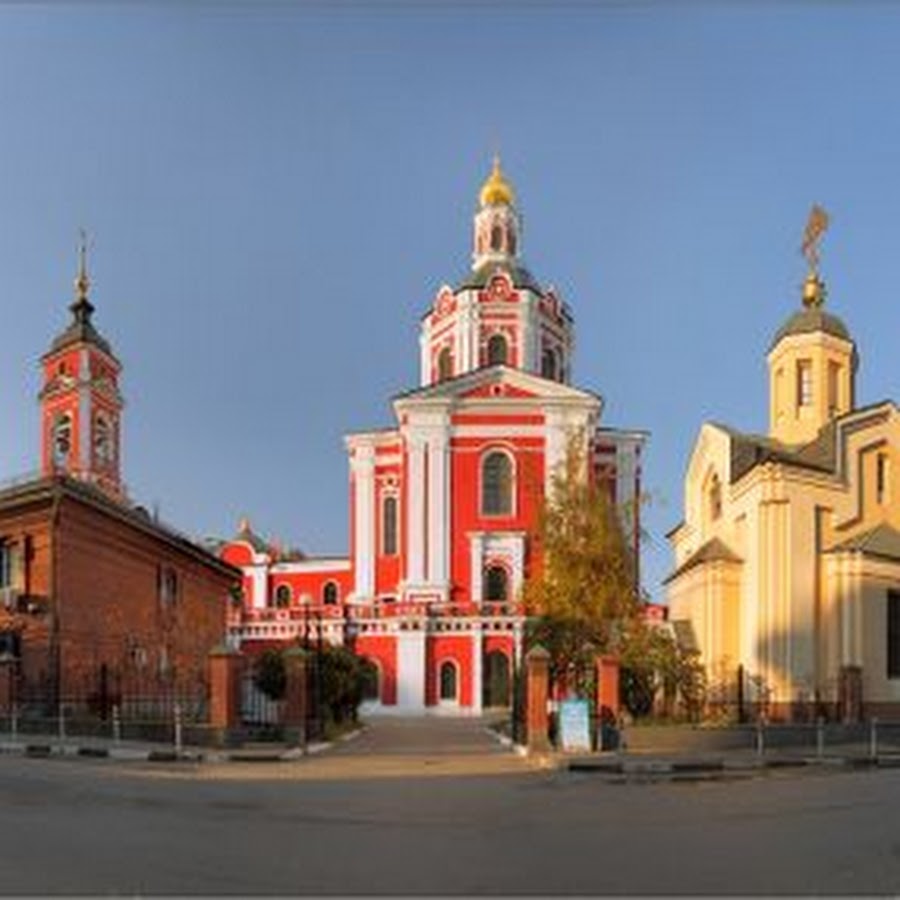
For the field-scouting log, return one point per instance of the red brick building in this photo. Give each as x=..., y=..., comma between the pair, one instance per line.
x=99, y=601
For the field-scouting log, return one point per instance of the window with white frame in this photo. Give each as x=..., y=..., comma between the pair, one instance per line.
x=496, y=484
x=497, y=350
x=389, y=525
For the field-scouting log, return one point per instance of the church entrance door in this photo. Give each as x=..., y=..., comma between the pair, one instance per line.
x=496, y=681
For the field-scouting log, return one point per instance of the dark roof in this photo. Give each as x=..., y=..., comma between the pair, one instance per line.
x=820, y=454
x=478, y=278
x=751, y=450
x=812, y=319
x=81, y=330
x=883, y=540
x=713, y=550
x=47, y=488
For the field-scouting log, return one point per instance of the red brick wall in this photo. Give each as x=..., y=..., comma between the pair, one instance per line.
x=111, y=611
x=105, y=591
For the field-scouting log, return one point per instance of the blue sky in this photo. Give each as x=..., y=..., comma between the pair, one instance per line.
x=276, y=191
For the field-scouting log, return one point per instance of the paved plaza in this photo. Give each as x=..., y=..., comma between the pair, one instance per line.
x=436, y=807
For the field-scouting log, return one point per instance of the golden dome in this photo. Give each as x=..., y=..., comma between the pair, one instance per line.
x=496, y=190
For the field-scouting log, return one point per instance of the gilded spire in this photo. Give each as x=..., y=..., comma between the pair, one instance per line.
x=816, y=225
x=496, y=189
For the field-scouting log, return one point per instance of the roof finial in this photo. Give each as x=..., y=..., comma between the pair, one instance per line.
x=813, y=287
x=82, y=282
x=496, y=189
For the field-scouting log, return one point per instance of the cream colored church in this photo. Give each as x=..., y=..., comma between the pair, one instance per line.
x=787, y=562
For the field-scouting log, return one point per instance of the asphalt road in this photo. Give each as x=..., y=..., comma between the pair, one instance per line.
x=464, y=818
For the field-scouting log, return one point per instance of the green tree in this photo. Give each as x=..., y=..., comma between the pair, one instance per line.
x=655, y=666
x=581, y=590
x=269, y=673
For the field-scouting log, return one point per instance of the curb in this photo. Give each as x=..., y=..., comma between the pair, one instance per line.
x=661, y=768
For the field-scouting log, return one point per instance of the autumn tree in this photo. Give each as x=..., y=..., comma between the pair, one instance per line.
x=582, y=587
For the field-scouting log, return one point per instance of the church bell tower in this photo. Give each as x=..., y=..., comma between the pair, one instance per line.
x=81, y=406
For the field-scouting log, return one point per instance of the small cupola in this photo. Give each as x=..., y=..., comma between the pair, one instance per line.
x=497, y=235
x=812, y=358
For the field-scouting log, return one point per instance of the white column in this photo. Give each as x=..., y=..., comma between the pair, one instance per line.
x=415, y=520
x=477, y=670
x=425, y=355
x=411, y=671
x=364, y=519
x=518, y=566
x=476, y=549
x=438, y=507
x=259, y=580
x=624, y=474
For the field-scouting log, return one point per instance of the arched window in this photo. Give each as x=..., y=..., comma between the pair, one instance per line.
x=448, y=681
x=497, y=353
x=62, y=438
x=496, y=238
x=103, y=440
x=283, y=596
x=496, y=584
x=512, y=242
x=330, y=593
x=389, y=526
x=548, y=364
x=445, y=364
x=496, y=484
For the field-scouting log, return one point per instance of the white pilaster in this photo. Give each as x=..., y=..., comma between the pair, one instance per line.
x=476, y=551
x=415, y=520
x=411, y=671
x=438, y=506
x=425, y=356
x=259, y=580
x=477, y=670
x=363, y=466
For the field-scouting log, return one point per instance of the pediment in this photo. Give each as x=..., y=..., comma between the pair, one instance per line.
x=499, y=382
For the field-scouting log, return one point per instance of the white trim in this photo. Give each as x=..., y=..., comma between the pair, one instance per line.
x=498, y=430
x=310, y=566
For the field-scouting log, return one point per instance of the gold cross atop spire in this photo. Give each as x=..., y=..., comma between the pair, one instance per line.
x=82, y=282
x=816, y=225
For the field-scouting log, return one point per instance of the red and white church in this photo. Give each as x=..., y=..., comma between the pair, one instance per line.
x=442, y=502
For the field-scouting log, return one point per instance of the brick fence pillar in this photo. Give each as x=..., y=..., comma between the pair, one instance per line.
x=537, y=693
x=850, y=694
x=8, y=670
x=296, y=695
x=226, y=669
